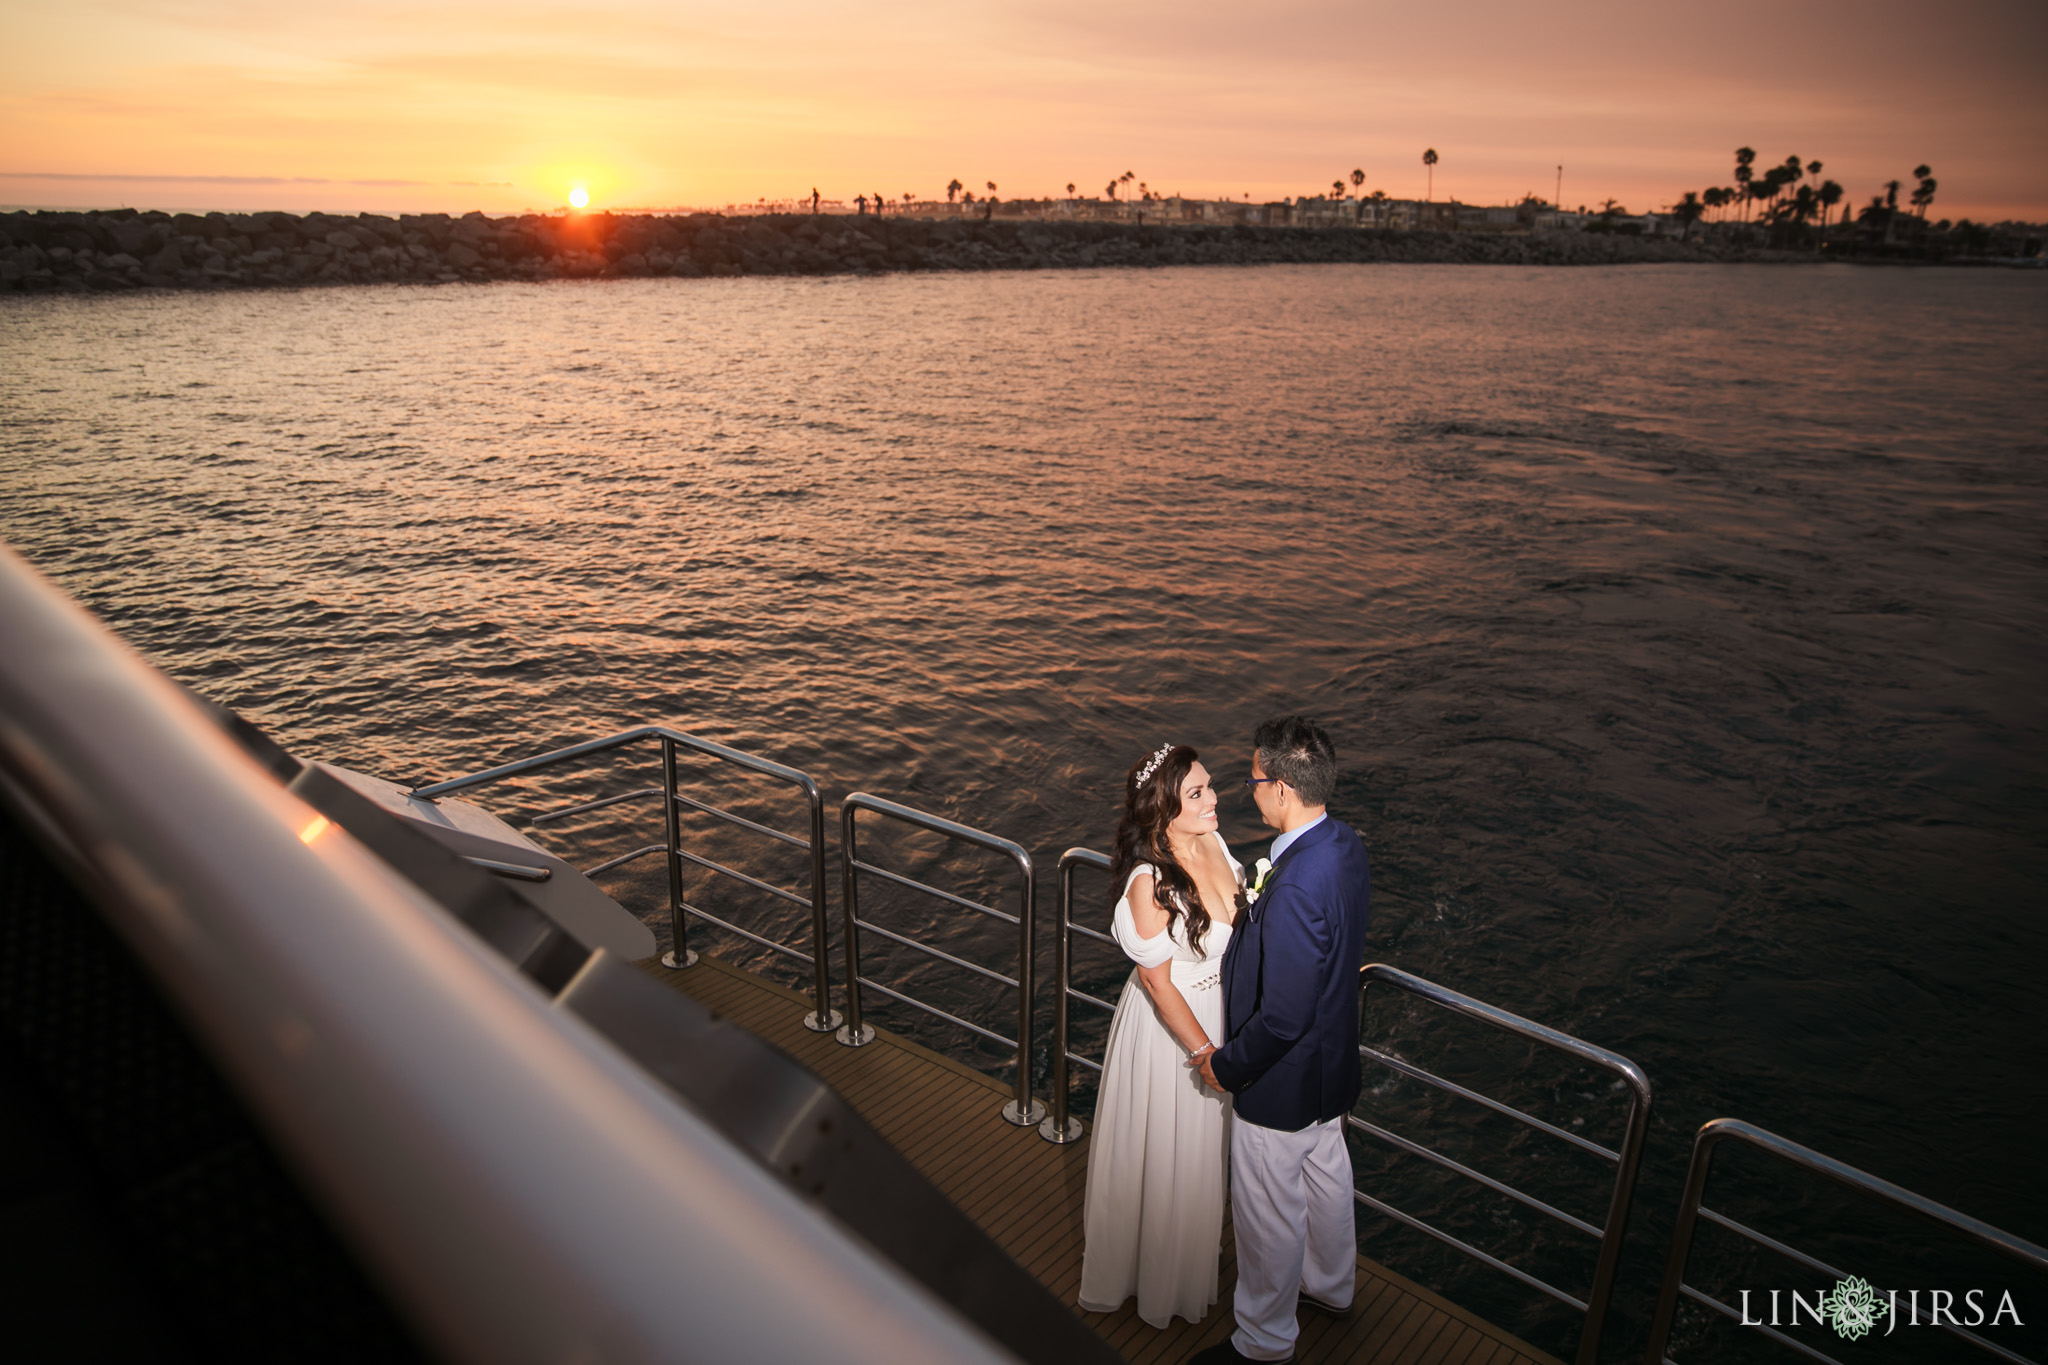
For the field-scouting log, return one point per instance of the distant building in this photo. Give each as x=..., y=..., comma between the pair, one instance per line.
x=1473, y=218
x=1320, y=211
x=1387, y=213
x=1436, y=217
x=1310, y=211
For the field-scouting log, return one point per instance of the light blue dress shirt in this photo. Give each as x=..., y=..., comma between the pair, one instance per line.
x=1281, y=844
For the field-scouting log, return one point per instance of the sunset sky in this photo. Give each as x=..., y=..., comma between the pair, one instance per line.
x=506, y=106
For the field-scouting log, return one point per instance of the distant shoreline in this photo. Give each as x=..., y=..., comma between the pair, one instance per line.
x=125, y=249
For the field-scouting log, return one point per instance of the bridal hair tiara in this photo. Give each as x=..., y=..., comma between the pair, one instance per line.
x=1152, y=763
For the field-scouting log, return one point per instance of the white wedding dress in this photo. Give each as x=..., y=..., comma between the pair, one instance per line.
x=1161, y=1143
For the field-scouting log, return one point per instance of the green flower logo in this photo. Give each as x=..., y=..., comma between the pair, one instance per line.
x=1853, y=1307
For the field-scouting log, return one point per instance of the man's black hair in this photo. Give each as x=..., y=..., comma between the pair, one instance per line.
x=1298, y=751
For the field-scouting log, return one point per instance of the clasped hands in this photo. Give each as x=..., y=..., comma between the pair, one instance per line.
x=1202, y=1060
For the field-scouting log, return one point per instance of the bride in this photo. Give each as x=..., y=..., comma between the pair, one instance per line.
x=1154, y=1208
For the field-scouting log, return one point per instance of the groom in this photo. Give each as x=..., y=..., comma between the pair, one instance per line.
x=1290, y=991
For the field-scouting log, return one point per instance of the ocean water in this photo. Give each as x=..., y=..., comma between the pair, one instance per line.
x=1681, y=629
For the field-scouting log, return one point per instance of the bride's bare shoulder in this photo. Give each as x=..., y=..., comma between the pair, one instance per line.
x=1147, y=914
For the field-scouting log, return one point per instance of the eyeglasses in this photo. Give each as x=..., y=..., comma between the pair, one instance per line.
x=1252, y=783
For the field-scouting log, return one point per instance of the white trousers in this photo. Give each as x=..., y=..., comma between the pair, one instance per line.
x=1290, y=1198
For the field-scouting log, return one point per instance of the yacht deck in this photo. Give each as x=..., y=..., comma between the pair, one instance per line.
x=1027, y=1193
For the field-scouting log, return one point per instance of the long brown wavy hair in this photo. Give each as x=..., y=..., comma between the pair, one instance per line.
x=1141, y=838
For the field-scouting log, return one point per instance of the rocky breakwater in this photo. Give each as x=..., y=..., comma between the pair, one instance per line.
x=126, y=249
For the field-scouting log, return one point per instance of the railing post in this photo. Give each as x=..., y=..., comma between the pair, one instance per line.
x=679, y=954
x=822, y=1018
x=853, y=1033
x=1615, y=1226
x=1024, y=1111
x=1681, y=1242
x=1058, y=1127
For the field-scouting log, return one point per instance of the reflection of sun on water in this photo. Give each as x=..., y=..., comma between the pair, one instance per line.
x=579, y=197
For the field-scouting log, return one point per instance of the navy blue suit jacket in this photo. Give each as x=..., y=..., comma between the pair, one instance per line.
x=1290, y=985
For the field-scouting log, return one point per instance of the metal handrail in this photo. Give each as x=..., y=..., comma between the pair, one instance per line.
x=1058, y=1126
x=583, y=807
x=1627, y=1161
x=1021, y=1109
x=822, y=1018
x=1716, y=1131
x=1408, y=1068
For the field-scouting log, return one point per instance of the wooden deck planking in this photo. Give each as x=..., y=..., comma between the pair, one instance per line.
x=1452, y=1345
x=1028, y=1193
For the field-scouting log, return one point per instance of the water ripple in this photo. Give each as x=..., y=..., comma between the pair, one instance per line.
x=1682, y=629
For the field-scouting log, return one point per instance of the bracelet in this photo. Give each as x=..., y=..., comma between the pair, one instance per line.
x=1201, y=1052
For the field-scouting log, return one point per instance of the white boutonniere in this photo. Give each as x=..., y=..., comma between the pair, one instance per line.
x=1261, y=871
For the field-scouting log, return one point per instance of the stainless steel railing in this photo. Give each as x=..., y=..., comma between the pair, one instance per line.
x=1021, y=1110
x=1058, y=1126
x=1691, y=1210
x=1626, y=1161
x=822, y=1018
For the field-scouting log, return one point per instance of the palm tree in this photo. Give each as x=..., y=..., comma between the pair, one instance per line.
x=1336, y=189
x=1804, y=201
x=953, y=189
x=1358, y=180
x=1429, y=162
x=1070, y=189
x=1714, y=198
x=1744, y=157
x=1829, y=195
x=1768, y=187
x=1923, y=194
x=1791, y=173
x=1688, y=211
x=991, y=187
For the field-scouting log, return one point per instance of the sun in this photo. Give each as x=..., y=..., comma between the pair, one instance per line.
x=579, y=197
